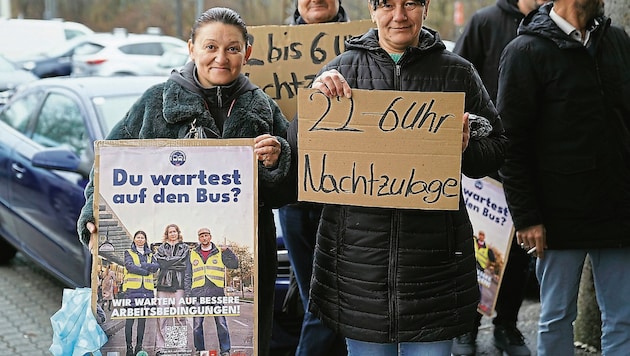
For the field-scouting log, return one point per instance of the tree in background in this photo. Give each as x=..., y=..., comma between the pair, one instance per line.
x=174, y=18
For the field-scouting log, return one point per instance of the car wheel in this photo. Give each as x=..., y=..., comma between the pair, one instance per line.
x=7, y=251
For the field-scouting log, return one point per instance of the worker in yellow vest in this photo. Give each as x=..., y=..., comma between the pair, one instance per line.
x=138, y=283
x=208, y=280
x=484, y=255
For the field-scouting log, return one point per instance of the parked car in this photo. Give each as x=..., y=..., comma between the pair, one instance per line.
x=55, y=63
x=46, y=152
x=10, y=78
x=174, y=58
x=27, y=38
x=114, y=54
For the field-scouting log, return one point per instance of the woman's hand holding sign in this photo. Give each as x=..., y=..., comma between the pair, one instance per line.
x=267, y=150
x=332, y=84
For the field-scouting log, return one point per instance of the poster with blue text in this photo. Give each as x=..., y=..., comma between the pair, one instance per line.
x=174, y=267
x=492, y=230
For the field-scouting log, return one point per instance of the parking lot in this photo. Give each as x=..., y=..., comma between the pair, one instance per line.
x=29, y=297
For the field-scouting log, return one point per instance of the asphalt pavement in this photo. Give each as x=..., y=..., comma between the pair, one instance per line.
x=29, y=297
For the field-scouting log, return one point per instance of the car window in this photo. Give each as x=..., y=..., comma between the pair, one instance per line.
x=145, y=49
x=18, y=113
x=60, y=123
x=71, y=33
x=88, y=48
x=169, y=46
x=113, y=109
x=6, y=66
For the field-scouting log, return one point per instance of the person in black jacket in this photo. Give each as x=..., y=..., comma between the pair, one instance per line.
x=370, y=282
x=567, y=168
x=299, y=221
x=486, y=34
x=174, y=278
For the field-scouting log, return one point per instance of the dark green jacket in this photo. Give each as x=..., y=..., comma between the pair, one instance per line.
x=168, y=110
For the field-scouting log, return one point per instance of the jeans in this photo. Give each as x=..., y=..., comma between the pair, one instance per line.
x=222, y=332
x=363, y=348
x=299, y=224
x=559, y=275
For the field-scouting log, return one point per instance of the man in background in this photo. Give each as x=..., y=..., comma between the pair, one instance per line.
x=486, y=34
x=563, y=92
x=299, y=221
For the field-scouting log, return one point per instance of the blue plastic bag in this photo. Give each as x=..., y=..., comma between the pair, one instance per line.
x=75, y=330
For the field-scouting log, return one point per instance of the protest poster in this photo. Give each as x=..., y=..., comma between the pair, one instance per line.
x=381, y=148
x=493, y=231
x=287, y=58
x=175, y=190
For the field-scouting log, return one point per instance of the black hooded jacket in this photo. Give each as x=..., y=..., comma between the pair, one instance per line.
x=566, y=110
x=486, y=34
x=403, y=275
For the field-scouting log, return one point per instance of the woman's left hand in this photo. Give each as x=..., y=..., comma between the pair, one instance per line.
x=267, y=149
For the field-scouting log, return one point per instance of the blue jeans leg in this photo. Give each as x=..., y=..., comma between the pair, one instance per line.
x=198, y=334
x=364, y=348
x=611, y=275
x=559, y=275
x=316, y=337
x=223, y=333
x=299, y=226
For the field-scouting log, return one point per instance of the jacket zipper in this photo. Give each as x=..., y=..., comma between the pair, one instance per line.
x=391, y=278
x=219, y=99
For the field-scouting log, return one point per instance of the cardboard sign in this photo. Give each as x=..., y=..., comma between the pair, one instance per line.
x=493, y=231
x=381, y=149
x=148, y=185
x=287, y=58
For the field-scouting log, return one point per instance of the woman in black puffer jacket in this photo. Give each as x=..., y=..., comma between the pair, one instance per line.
x=392, y=276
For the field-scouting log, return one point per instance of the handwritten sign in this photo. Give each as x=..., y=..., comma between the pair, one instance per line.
x=381, y=149
x=287, y=58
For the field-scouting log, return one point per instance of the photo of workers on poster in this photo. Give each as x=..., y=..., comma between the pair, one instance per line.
x=174, y=271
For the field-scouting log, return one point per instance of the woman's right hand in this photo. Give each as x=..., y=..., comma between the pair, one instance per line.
x=332, y=84
x=92, y=229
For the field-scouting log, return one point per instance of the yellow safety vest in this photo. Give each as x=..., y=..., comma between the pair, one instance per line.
x=135, y=281
x=213, y=269
x=481, y=254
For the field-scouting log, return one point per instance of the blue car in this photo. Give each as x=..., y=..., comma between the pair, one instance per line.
x=57, y=62
x=47, y=131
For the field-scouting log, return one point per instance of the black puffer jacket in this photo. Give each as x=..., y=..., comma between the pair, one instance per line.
x=568, y=122
x=400, y=275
